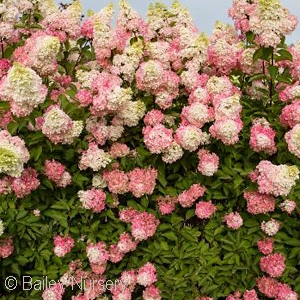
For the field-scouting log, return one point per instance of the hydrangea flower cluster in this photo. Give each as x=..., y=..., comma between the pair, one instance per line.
x=13, y=154
x=23, y=88
x=56, y=172
x=62, y=245
x=159, y=124
x=93, y=199
x=275, y=180
x=58, y=127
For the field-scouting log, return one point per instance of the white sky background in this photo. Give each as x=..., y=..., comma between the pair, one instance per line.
x=204, y=12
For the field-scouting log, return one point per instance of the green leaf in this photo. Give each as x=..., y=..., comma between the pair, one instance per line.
x=161, y=175
x=170, y=236
x=284, y=55
x=273, y=70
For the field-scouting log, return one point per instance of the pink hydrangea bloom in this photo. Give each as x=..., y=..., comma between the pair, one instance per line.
x=149, y=75
x=265, y=246
x=226, y=130
x=154, y=117
x=14, y=154
x=290, y=92
x=205, y=209
x=128, y=214
x=276, y=180
x=262, y=137
x=94, y=158
x=121, y=294
x=126, y=243
x=270, y=228
x=26, y=183
x=6, y=247
x=97, y=253
x=292, y=140
x=39, y=52
x=93, y=199
x=143, y=226
x=151, y=293
x=189, y=196
x=85, y=97
x=233, y=220
x=55, y=292
x=284, y=292
x=250, y=295
x=208, y=162
x=119, y=150
x=115, y=254
x=259, y=203
x=23, y=88
x=227, y=106
x=142, y=181
x=290, y=115
x=63, y=245
x=197, y=114
x=146, y=275
x=190, y=137
x=128, y=278
x=158, y=138
x=56, y=172
x=58, y=126
x=288, y=206
x=267, y=286
x=166, y=205
x=117, y=181
x=273, y=264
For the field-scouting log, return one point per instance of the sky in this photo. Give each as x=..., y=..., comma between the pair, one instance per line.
x=204, y=12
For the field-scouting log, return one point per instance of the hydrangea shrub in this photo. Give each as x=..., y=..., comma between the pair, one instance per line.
x=149, y=153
